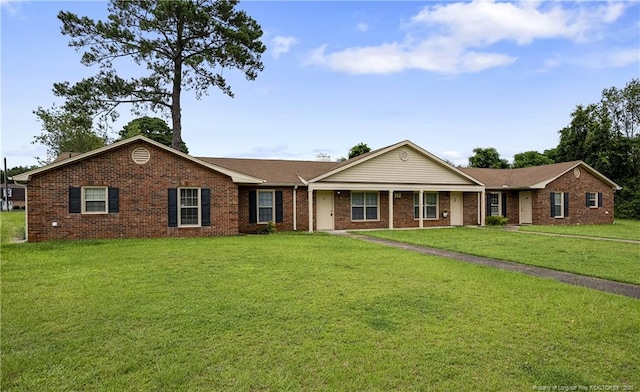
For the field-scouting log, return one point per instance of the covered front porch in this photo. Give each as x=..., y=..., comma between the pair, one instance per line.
x=340, y=206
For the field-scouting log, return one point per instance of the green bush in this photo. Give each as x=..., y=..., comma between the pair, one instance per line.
x=496, y=220
x=269, y=228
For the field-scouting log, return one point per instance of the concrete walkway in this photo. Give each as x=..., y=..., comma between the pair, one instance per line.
x=609, y=286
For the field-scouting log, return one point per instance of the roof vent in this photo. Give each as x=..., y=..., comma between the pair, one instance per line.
x=140, y=155
x=404, y=155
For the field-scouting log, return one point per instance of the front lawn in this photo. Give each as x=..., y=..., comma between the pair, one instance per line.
x=622, y=229
x=602, y=259
x=11, y=226
x=298, y=312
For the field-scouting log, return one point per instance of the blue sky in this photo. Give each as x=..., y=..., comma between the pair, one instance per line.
x=449, y=76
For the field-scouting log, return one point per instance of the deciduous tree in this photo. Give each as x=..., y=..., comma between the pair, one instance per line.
x=487, y=158
x=63, y=131
x=154, y=128
x=530, y=158
x=359, y=149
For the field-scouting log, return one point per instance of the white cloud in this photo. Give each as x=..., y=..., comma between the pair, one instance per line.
x=454, y=37
x=613, y=59
x=282, y=44
x=362, y=27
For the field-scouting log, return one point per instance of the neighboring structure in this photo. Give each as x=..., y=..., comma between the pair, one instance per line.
x=140, y=188
x=561, y=193
x=13, y=195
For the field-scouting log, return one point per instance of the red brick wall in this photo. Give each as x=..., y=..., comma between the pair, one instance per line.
x=579, y=213
x=142, y=199
x=302, y=203
x=470, y=208
x=402, y=211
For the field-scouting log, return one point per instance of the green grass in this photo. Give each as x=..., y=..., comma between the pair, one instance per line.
x=622, y=229
x=11, y=226
x=603, y=259
x=297, y=312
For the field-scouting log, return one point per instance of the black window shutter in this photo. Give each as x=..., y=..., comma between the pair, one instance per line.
x=114, y=200
x=599, y=199
x=75, y=200
x=173, y=207
x=279, y=209
x=205, y=205
x=566, y=204
x=552, y=194
x=587, y=197
x=504, y=204
x=253, y=213
x=488, y=207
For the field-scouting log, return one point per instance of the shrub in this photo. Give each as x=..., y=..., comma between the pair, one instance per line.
x=496, y=220
x=269, y=228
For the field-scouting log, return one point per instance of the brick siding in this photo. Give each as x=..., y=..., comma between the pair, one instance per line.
x=142, y=197
x=579, y=213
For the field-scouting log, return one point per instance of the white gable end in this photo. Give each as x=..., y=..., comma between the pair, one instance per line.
x=403, y=165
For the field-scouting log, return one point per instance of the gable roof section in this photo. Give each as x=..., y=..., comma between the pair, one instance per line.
x=534, y=177
x=381, y=166
x=273, y=171
x=236, y=177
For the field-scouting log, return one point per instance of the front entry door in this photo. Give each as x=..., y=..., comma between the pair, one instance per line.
x=324, y=205
x=456, y=209
x=526, y=208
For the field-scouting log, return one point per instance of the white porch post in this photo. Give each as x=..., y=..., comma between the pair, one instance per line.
x=483, y=204
x=310, y=193
x=421, y=208
x=295, y=209
x=391, y=209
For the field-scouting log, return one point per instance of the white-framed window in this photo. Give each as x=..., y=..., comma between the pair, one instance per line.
x=6, y=192
x=558, y=205
x=364, y=206
x=95, y=200
x=429, y=205
x=188, y=206
x=495, y=204
x=266, y=206
x=592, y=199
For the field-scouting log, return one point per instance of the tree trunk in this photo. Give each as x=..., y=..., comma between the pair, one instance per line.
x=176, y=109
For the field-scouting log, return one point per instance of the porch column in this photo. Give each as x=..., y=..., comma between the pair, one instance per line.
x=421, y=208
x=482, y=207
x=391, y=209
x=310, y=193
x=295, y=209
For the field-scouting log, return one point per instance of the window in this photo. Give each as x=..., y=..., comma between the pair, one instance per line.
x=430, y=205
x=495, y=207
x=265, y=206
x=6, y=193
x=557, y=205
x=364, y=206
x=594, y=199
x=189, y=208
x=94, y=200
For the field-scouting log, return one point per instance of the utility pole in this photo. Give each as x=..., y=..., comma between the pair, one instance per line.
x=5, y=194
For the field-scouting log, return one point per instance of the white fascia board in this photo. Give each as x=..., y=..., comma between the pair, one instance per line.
x=395, y=187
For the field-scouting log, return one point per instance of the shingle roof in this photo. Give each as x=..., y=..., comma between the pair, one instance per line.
x=528, y=177
x=282, y=172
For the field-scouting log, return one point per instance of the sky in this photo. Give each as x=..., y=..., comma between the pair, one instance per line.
x=449, y=76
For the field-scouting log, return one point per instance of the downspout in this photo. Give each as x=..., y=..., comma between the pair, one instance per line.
x=295, y=209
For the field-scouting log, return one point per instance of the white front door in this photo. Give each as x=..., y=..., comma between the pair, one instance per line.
x=526, y=206
x=324, y=206
x=456, y=209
